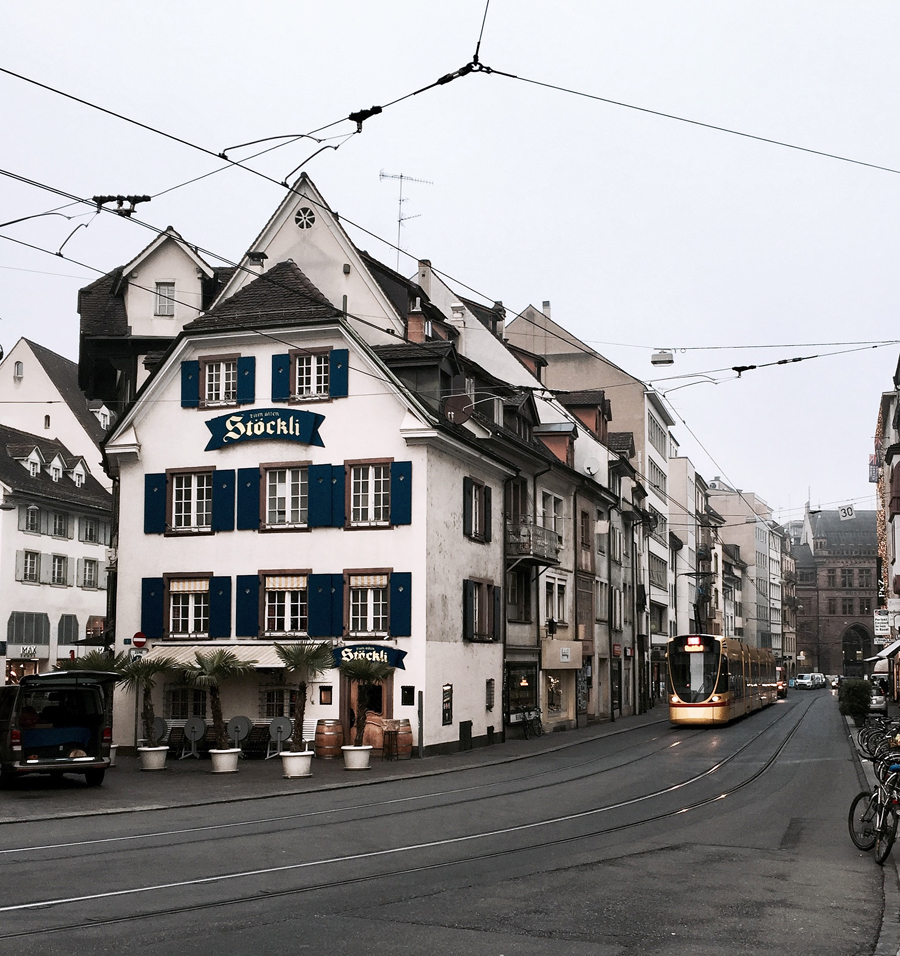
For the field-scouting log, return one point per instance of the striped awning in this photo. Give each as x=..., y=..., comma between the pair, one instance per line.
x=262, y=654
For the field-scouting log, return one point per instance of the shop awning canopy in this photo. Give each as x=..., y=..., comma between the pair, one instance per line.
x=890, y=651
x=262, y=655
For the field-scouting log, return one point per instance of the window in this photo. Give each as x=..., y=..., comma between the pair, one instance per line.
x=489, y=693
x=277, y=702
x=659, y=571
x=518, y=595
x=60, y=525
x=78, y=478
x=32, y=520
x=847, y=606
x=287, y=605
x=369, y=604
x=287, y=497
x=657, y=434
x=90, y=530
x=311, y=375
x=615, y=545
x=832, y=605
x=165, y=298
x=192, y=501
x=219, y=381
x=831, y=576
x=28, y=627
x=555, y=600
x=660, y=526
x=31, y=571
x=55, y=473
x=552, y=513
x=481, y=611
x=865, y=605
x=67, y=630
x=91, y=573
x=846, y=577
x=183, y=703
x=657, y=477
x=865, y=577
x=188, y=607
x=476, y=510
x=516, y=501
x=59, y=569
x=601, y=605
x=370, y=495
x=46, y=421
x=34, y=468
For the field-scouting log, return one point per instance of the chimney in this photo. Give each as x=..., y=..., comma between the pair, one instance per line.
x=545, y=308
x=425, y=276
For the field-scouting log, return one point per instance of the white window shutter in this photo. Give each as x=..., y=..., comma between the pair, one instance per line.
x=20, y=565
x=46, y=568
x=104, y=571
x=79, y=573
x=70, y=572
x=70, y=525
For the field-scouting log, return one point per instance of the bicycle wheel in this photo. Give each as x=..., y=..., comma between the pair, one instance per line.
x=537, y=728
x=887, y=833
x=861, y=820
x=526, y=727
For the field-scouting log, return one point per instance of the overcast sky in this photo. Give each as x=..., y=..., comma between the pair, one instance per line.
x=642, y=231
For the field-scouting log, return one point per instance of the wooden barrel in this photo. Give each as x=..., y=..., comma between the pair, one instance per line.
x=373, y=736
x=329, y=738
x=404, y=740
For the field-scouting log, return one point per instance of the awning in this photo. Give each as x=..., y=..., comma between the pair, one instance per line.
x=890, y=651
x=261, y=653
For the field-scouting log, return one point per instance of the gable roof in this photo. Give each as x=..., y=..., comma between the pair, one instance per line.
x=64, y=375
x=281, y=296
x=622, y=443
x=15, y=445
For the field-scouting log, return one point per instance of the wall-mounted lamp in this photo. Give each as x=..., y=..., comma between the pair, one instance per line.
x=523, y=682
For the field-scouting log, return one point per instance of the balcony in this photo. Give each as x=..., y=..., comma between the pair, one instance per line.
x=527, y=541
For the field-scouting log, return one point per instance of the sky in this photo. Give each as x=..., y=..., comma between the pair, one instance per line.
x=644, y=232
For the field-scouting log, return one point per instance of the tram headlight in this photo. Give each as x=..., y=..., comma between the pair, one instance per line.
x=715, y=699
x=674, y=699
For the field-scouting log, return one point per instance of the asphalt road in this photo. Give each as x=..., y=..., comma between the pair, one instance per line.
x=657, y=840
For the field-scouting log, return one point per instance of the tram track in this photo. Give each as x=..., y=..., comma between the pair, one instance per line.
x=389, y=872
x=397, y=804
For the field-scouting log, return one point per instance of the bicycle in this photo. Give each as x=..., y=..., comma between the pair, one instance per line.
x=873, y=816
x=531, y=722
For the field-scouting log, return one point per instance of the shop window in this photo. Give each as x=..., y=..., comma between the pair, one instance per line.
x=555, y=697
x=521, y=685
x=277, y=702
x=182, y=703
x=67, y=629
x=28, y=627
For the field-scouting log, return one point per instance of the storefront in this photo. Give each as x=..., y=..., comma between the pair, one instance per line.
x=561, y=662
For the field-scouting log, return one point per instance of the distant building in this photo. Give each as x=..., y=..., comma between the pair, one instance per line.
x=836, y=564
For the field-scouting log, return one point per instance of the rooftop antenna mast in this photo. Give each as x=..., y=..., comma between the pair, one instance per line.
x=400, y=217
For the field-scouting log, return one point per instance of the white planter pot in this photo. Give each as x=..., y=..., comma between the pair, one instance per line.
x=356, y=758
x=112, y=754
x=296, y=763
x=153, y=758
x=225, y=761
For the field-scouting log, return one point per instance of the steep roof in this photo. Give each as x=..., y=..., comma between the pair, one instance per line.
x=101, y=306
x=622, y=443
x=281, y=296
x=64, y=375
x=15, y=444
x=860, y=531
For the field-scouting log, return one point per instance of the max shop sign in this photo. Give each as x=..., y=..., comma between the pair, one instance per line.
x=265, y=424
x=369, y=652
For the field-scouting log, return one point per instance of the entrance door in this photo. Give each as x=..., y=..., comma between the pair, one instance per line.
x=615, y=681
x=381, y=707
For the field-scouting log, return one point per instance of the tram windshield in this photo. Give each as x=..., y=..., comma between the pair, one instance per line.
x=693, y=673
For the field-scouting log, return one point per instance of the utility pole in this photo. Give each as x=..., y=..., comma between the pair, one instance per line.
x=400, y=217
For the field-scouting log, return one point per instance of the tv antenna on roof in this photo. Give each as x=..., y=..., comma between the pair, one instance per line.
x=400, y=217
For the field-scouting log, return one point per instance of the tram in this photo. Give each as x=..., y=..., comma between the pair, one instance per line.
x=713, y=679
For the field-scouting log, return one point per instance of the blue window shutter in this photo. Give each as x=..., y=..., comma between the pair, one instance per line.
x=467, y=507
x=246, y=606
x=486, y=524
x=401, y=492
x=338, y=361
x=337, y=605
x=247, y=499
x=155, y=504
x=498, y=613
x=190, y=384
x=468, y=610
x=320, y=496
x=152, y=598
x=223, y=501
x=338, y=518
x=281, y=378
x=401, y=604
x=246, y=380
x=322, y=600
x=220, y=607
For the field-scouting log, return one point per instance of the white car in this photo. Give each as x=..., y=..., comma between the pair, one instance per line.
x=805, y=680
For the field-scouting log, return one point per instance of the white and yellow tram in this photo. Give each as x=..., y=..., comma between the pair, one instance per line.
x=713, y=680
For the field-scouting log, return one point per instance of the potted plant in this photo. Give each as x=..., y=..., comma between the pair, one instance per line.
x=140, y=676
x=365, y=674
x=208, y=672
x=307, y=661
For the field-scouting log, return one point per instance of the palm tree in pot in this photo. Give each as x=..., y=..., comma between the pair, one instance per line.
x=307, y=661
x=210, y=670
x=365, y=674
x=140, y=676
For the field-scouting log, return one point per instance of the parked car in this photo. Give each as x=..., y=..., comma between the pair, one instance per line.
x=878, y=702
x=805, y=680
x=56, y=723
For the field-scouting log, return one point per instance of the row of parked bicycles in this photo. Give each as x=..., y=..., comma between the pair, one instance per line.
x=874, y=814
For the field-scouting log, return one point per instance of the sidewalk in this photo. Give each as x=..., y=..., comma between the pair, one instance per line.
x=189, y=783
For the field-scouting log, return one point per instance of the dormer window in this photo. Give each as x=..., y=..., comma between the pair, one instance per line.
x=78, y=478
x=103, y=416
x=55, y=472
x=34, y=468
